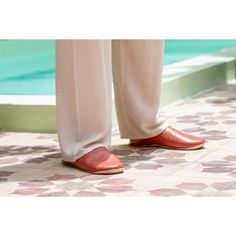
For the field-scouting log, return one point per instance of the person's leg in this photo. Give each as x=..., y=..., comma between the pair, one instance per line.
x=83, y=98
x=137, y=76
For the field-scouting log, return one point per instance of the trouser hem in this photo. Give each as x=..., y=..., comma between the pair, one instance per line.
x=73, y=158
x=160, y=130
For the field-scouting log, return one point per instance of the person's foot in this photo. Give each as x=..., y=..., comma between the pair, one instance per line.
x=171, y=139
x=98, y=161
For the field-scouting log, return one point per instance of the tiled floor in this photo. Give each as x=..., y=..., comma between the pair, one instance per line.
x=30, y=163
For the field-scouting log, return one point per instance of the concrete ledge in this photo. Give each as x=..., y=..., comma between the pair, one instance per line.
x=191, y=77
x=181, y=80
x=28, y=113
x=28, y=118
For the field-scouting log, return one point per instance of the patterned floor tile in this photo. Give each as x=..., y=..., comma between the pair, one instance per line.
x=30, y=163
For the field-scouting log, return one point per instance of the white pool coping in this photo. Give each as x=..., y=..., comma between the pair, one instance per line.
x=27, y=100
x=182, y=68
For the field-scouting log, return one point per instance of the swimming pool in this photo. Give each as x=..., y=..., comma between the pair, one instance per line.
x=27, y=67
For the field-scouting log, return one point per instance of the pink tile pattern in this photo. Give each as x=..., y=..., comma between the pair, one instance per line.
x=30, y=163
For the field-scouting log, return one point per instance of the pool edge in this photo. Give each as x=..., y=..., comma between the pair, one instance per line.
x=181, y=80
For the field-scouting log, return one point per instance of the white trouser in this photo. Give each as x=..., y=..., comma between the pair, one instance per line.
x=84, y=73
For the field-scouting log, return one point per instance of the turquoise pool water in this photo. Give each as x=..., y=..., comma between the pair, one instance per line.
x=27, y=67
x=179, y=50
